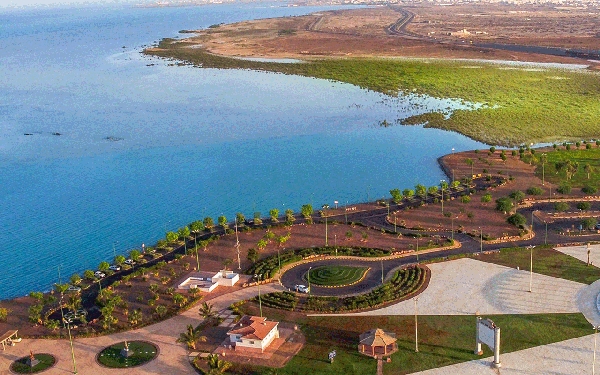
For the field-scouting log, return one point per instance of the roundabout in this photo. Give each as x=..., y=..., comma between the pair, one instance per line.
x=127, y=354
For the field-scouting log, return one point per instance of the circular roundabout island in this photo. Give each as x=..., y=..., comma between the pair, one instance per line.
x=127, y=354
x=336, y=276
x=33, y=364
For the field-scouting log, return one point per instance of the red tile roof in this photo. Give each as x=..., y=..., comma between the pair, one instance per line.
x=253, y=327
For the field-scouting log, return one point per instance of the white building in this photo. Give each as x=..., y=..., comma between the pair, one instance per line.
x=253, y=333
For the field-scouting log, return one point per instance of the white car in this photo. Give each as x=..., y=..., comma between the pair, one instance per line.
x=114, y=268
x=301, y=288
x=99, y=274
x=130, y=262
x=73, y=288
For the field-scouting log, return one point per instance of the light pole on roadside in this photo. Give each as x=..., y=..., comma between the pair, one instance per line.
x=417, y=251
x=530, y=266
x=546, y=234
x=442, y=184
x=308, y=276
x=416, y=326
x=72, y=351
x=480, y=240
x=335, y=243
x=594, y=358
x=259, y=299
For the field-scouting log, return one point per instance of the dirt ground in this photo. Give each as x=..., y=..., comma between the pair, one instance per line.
x=367, y=32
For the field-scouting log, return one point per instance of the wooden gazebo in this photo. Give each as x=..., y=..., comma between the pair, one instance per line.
x=377, y=342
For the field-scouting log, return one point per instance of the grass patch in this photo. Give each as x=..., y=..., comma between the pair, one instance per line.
x=443, y=340
x=546, y=261
x=581, y=156
x=521, y=106
x=336, y=275
x=111, y=356
x=20, y=366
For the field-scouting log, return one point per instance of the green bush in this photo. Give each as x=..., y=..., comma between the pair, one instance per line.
x=584, y=206
x=561, y=206
x=564, y=188
x=589, y=223
x=534, y=190
x=588, y=189
x=516, y=220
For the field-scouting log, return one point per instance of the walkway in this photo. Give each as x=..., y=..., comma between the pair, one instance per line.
x=172, y=358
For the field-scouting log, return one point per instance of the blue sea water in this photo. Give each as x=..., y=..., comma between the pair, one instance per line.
x=192, y=142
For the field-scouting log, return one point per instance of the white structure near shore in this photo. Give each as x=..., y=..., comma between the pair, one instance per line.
x=207, y=281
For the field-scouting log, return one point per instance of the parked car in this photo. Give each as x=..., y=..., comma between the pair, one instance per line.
x=114, y=268
x=301, y=288
x=130, y=262
x=598, y=226
x=73, y=288
x=99, y=274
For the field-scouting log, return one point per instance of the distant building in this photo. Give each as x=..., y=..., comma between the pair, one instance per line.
x=207, y=282
x=253, y=333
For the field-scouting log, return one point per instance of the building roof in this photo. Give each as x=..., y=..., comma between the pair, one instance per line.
x=253, y=327
x=377, y=337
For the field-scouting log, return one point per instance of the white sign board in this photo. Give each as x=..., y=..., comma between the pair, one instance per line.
x=487, y=332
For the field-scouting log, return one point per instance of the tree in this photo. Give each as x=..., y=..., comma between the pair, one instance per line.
x=348, y=235
x=504, y=204
x=486, y=198
x=588, y=169
x=103, y=266
x=589, y=189
x=119, y=259
x=469, y=162
x=281, y=240
x=75, y=279
x=134, y=255
x=396, y=195
x=408, y=193
x=564, y=188
x=4, y=314
x=262, y=244
x=534, y=190
x=289, y=216
x=217, y=366
x=183, y=232
x=516, y=220
x=583, y=206
x=197, y=226
x=307, y=211
x=568, y=166
x=207, y=311
x=432, y=190
x=61, y=288
x=190, y=336
x=274, y=213
x=257, y=218
x=561, y=206
x=492, y=149
x=465, y=199
x=240, y=219
x=227, y=262
x=160, y=311
x=420, y=190
x=517, y=196
x=253, y=255
x=208, y=222
x=589, y=223
x=204, y=244
x=135, y=317
x=89, y=275
x=222, y=221
x=73, y=302
x=35, y=313
x=179, y=299
x=171, y=237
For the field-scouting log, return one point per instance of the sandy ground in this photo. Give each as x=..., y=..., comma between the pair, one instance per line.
x=466, y=286
x=561, y=358
x=172, y=358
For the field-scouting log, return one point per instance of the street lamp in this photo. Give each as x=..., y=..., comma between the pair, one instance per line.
x=416, y=327
x=594, y=360
x=72, y=351
x=417, y=250
x=543, y=171
x=308, y=275
x=279, y=261
x=530, y=266
x=480, y=240
x=546, y=234
x=442, y=183
x=335, y=243
x=325, y=207
x=452, y=221
x=259, y=299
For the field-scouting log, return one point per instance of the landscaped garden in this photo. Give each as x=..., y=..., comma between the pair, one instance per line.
x=127, y=354
x=23, y=365
x=334, y=276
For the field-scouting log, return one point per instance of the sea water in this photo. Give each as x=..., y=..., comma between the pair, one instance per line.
x=121, y=147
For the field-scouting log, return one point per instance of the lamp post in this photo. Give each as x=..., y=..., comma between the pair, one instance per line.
x=279, y=261
x=546, y=234
x=543, y=171
x=308, y=275
x=416, y=327
x=532, y=220
x=325, y=206
x=72, y=351
x=417, y=251
x=530, y=266
x=259, y=299
x=335, y=243
x=346, y=213
x=480, y=240
x=594, y=360
x=442, y=183
x=382, y=271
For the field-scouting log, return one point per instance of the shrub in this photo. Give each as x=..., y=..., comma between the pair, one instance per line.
x=465, y=199
x=588, y=189
x=534, y=190
x=561, y=206
x=486, y=198
x=584, y=206
x=564, y=188
x=504, y=204
x=517, y=195
x=3, y=314
x=516, y=220
x=589, y=223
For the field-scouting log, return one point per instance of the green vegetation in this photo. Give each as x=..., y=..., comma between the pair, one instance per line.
x=404, y=283
x=337, y=275
x=143, y=352
x=443, y=340
x=587, y=160
x=520, y=106
x=546, y=261
x=20, y=366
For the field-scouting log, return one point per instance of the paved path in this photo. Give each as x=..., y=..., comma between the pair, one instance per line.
x=568, y=357
x=465, y=286
x=172, y=359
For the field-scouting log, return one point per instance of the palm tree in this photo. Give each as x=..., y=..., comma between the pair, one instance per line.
x=190, y=336
x=207, y=311
x=217, y=366
x=469, y=161
x=588, y=169
x=135, y=316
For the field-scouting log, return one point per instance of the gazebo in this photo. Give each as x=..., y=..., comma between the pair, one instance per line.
x=377, y=342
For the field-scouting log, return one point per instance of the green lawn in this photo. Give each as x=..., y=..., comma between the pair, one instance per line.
x=443, y=340
x=546, y=261
x=336, y=275
x=143, y=352
x=581, y=156
x=521, y=106
x=46, y=361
